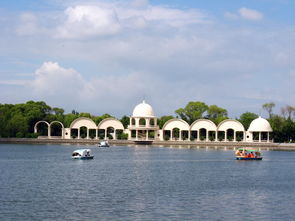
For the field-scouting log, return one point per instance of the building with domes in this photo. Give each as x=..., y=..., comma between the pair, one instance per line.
x=143, y=127
x=143, y=123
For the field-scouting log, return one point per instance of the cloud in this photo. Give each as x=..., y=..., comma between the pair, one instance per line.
x=28, y=24
x=88, y=21
x=245, y=13
x=250, y=14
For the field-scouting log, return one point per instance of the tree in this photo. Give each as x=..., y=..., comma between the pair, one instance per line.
x=216, y=114
x=162, y=120
x=98, y=119
x=288, y=111
x=125, y=120
x=268, y=107
x=192, y=111
x=247, y=118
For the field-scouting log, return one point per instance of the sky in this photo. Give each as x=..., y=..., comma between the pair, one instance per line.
x=103, y=56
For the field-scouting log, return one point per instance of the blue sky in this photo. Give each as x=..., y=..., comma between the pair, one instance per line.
x=106, y=56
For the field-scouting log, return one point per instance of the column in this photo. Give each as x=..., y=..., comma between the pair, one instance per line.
x=87, y=136
x=170, y=134
x=235, y=136
x=136, y=134
x=49, y=132
x=259, y=137
x=147, y=135
x=105, y=133
x=207, y=135
x=96, y=134
x=115, y=134
x=216, y=135
x=225, y=135
x=198, y=135
x=267, y=137
x=78, y=133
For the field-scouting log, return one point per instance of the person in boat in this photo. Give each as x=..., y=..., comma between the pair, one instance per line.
x=251, y=155
x=238, y=153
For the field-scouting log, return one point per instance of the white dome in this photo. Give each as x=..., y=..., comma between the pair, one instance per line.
x=260, y=125
x=143, y=110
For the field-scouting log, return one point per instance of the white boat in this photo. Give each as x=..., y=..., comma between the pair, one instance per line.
x=82, y=154
x=103, y=143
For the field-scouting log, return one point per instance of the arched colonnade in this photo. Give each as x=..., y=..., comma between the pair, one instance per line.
x=204, y=130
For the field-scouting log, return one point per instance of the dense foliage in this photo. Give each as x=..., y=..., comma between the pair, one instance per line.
x=18, y=120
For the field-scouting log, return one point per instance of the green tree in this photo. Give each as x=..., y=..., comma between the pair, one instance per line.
x=125, y=120
x=247, y=118
x=269, y=107
x=162, y=120
x=98, y=119
x=192, y=111
x=216, y=114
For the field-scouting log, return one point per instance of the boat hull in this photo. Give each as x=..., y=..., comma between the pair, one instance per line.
x=83, y=158
x=249, y=158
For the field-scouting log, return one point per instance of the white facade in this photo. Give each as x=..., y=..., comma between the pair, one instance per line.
x=143, y=127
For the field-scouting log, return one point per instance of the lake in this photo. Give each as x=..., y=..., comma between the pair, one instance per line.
x=42, y=182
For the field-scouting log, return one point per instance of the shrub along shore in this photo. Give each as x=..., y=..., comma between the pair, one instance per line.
x=184, y=144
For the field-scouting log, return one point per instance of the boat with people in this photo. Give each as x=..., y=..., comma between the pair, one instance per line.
x=104, y=143
x=82, y=154
x=248, y=154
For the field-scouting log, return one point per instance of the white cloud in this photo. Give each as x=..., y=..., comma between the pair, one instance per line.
x=250, y=14
x=245, y=13
x=52, y=79
x=89, y=21
x=28, y=24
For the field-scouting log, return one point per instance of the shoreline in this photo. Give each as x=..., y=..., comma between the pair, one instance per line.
x=190, y=144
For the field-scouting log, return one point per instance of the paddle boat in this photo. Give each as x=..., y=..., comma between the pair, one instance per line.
x=82, y=154
x=248, y=154
x=103, y=143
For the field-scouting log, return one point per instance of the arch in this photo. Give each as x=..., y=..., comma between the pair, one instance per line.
x=61, y=130
x=83, y=121
x=42, y=121
x=230, y=128
x=110, y=122
x=105, y=125
x=142, y=122
x=176, y=123
x=203, y=123
x=230, y=124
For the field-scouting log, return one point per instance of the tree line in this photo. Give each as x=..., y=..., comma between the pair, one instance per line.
x=18, y=120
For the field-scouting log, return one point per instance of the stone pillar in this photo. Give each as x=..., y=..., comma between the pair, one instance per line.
x=171, y=136
x=96, y=134
x=259, y=137
x=147, y=122
x=189, y=135
x=267, y=137
x=235, y=136
x=146, y=135
x=136, y=134
x=105, y=133
x=225, y=135
x=216, y=135
x=198, y=135
x=87, y=135
x=115, y=134
x=207, y=135
x=49, y=132
x=78, y=133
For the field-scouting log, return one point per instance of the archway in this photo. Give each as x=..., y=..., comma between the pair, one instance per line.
x=74, y=133
x=83, y=132
x=203, y=134
x=167, y=134
x=221, y=135
x=110, y=133
x=56, y=129
x=42, y=128
x=194, y=135
x=142, y=122
x=230, y=134
x=175, y=133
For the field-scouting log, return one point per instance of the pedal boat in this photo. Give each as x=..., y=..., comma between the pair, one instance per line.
x=82, y=154
x=248, y=154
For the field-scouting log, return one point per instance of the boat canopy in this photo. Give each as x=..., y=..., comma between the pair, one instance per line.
x=82, y=152
x=249, y=149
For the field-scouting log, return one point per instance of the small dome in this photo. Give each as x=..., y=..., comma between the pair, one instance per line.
x=260, y=125
x=143, y=110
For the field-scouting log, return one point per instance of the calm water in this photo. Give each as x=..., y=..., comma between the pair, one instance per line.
x=42, y=182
